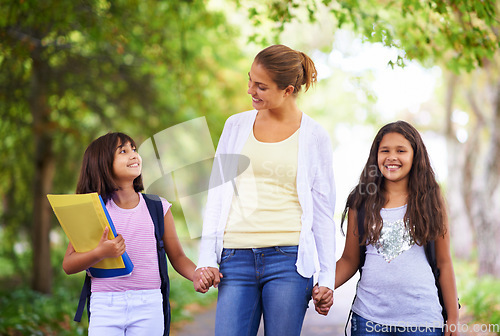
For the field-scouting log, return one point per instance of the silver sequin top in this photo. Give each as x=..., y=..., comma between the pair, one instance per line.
x=394, y=239
x=397, y=286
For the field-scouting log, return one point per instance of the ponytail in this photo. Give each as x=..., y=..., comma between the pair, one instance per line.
x=310, y=75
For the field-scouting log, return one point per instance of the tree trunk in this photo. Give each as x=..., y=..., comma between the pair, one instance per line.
x=487, y=205
x=460, y=229
x=44, y=172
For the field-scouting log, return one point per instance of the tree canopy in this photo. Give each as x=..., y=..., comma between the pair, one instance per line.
x=465, y=33
x=72, y=70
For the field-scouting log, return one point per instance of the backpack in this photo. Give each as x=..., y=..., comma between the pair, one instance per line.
x=430, y=253
x=155, y=209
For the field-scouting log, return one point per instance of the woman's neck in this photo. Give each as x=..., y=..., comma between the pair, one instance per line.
x=287, y=112
x=126, y=198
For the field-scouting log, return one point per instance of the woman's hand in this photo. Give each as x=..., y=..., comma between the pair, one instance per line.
x=323, y=299
x=205, y=277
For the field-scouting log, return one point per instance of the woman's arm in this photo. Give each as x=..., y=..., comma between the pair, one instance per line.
x=323, y=198
x=207, y=250
x=75, y=262
x=348, y=263
x=323, y=225
x=447, y=280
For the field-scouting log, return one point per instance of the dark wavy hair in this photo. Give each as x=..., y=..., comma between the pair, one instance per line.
x=426, y=211
x=96, y=174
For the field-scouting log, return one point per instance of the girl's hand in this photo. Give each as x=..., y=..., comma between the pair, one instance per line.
x=451, y=327
x=206, y=277
x=323, y=299
x=202, y=281
x=111, y=248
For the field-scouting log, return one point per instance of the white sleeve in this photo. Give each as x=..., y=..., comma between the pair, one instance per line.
x=207, y=250
x=323, y=226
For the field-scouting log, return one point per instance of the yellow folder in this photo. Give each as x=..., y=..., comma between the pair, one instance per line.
x=83, y=218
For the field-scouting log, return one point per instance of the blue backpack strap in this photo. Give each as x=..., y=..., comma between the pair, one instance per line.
x=155, y=208
x=84, y=297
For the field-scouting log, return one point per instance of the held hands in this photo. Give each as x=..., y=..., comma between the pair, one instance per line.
x=111, y=248
x=205, y=277
x=451, y=327
x=323, y=299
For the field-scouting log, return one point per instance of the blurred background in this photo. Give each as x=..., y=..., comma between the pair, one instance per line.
x=71, y=71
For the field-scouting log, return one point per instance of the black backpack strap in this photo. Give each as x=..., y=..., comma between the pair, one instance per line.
x=84, y=297
x=430, y=253
x=155, y=208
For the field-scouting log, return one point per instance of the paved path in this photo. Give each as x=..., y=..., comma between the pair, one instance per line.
x=314, y=324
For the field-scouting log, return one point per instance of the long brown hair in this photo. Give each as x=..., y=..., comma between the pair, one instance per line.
x=425, y=213
x=287, y=67
x=96, y=174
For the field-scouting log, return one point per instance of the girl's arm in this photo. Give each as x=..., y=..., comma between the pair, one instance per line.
x=181, y=263
x=346, y=266
x=75, y=262
x=447, y=279
x=348, y=263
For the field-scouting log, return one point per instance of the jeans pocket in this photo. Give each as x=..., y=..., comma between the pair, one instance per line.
x=226, y=255
x=290, y=251
x=152, y=297
x=100, y=303
x=354, y=323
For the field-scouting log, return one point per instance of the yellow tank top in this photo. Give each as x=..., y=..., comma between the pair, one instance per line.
x=265, y=209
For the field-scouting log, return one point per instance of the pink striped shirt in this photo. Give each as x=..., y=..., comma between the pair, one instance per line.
x=137, y=228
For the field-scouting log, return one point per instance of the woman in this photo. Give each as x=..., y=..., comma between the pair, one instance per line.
x=270, y=226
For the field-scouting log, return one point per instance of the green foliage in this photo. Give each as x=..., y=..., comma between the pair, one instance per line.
x=73, y=70
x=26, y=312
x=479, y=297
x=460, y=34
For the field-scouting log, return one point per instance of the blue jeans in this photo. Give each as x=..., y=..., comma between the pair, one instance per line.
x=261, y=281
x=362, y=327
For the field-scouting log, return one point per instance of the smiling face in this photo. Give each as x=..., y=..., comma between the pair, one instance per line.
x=264, y=91
x=127, y=163
x=395, y=157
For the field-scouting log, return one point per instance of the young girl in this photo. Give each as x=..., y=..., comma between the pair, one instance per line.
x=266, y=229
x=404, y=210
x=129, y=305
